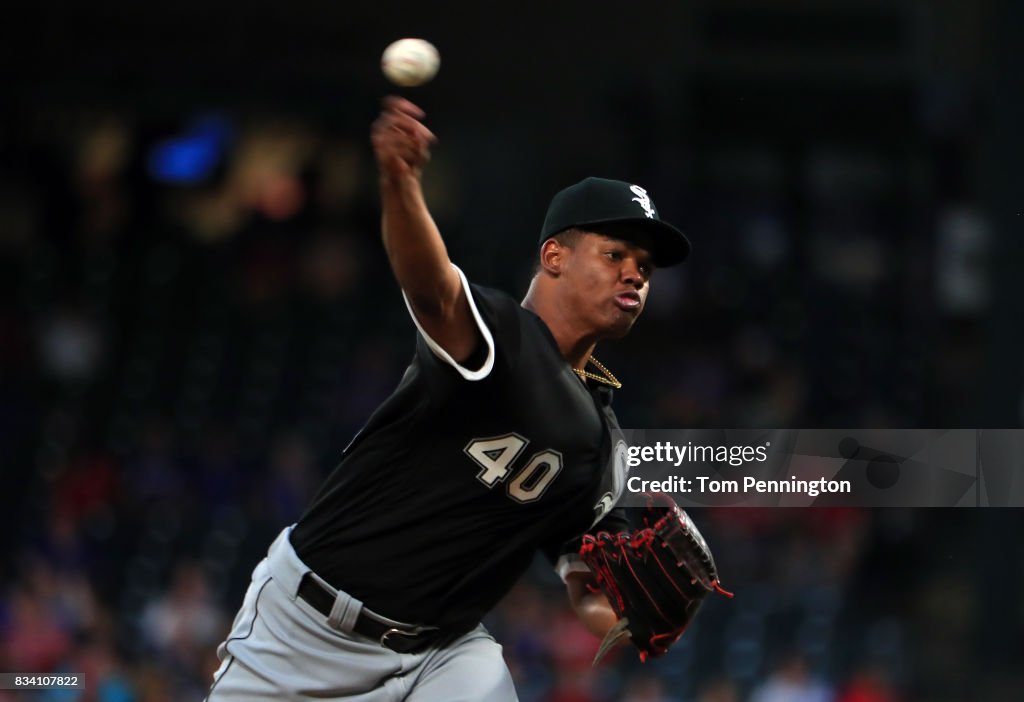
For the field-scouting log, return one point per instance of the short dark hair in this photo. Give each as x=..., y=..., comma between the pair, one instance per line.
x=567, y=238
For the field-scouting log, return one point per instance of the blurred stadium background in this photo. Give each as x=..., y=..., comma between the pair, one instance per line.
x=196, y=314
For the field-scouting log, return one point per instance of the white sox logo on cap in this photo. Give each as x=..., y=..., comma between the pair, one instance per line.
x=601, y=203
x=644, y=199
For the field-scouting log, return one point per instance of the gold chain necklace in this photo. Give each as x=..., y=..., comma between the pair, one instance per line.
x=608, y=379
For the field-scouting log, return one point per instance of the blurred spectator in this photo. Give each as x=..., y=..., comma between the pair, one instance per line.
x=330, y=266
x=868, y=684
x=86, y=490
x=184, y=625
x=572, y=685
x=792, y=682
x=62, y=545
x=524, y=618
x=106, y=676
x=70, y=345
x=34, y=639
x=104, y=149
x=645, y=688
x=571, y=646
x=719, y=690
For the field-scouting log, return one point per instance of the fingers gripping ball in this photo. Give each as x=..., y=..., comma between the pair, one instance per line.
x=655, y=577
x=410, y=62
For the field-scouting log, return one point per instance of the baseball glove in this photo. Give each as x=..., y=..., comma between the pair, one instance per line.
x=655, y=577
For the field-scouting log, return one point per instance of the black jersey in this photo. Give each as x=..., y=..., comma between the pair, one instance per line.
x=440, y=502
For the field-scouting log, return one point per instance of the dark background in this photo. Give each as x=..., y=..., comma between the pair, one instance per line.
x=195, y=313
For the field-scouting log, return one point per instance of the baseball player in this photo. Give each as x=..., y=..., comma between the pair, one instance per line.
x=499, y=440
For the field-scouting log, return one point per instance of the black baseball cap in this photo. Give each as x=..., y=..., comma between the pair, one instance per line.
x=617, y=208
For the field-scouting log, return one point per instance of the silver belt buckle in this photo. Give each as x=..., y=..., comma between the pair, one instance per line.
x=397, y=632
x=407, y=633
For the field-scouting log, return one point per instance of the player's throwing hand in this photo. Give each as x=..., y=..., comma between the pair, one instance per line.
x=400, y=140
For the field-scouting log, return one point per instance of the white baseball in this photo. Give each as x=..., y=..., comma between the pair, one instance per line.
x=410, y=62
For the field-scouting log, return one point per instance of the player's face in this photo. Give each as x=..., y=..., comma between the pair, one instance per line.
x=610, y=280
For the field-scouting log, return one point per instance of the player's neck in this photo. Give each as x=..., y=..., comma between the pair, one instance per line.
x=574, y=343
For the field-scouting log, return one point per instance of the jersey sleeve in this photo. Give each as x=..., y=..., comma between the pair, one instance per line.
x=497, y=317
x=565, y=557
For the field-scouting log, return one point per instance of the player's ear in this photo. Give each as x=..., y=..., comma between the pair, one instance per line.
x=552, y=257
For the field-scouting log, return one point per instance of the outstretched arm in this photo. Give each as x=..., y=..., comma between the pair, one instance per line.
x=412, y=241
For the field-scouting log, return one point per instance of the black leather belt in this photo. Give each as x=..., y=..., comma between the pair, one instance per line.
x=397, y=639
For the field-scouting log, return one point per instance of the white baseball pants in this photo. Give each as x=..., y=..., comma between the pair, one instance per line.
x=281, y=648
